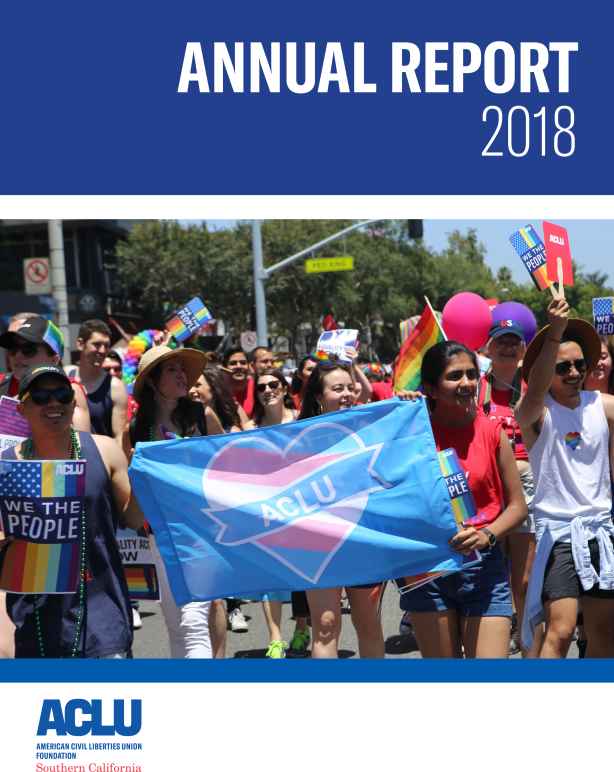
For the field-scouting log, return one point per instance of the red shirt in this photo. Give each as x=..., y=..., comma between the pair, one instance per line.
x=246, y=398
x=381, y=390
x=477, y=446
x=500, y=410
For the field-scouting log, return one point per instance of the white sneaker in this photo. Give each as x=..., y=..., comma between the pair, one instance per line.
x=137, y=622
x=236, y=621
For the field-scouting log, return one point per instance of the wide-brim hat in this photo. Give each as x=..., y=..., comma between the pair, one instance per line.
x=577, y=328
x=193, y=362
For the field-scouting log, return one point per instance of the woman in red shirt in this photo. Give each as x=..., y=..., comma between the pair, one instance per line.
x=469, y=611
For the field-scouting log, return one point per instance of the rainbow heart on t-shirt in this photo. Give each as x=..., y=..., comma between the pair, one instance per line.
x=572, y=439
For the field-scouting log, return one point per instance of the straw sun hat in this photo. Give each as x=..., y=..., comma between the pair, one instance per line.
x=193, y=362
x=577, y=329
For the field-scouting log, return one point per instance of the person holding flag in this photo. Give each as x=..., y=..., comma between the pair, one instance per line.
x=161, y=388
x=332, y=387
x=468, y=612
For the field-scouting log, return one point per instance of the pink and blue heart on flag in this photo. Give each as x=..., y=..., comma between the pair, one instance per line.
x=603, y=315
x=189, y=319
x=41, y=507
x=352, y=497
x=532, y=252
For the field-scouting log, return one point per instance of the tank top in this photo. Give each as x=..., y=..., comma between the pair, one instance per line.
x=497, y=405
x=571, y=464
x=477, y=446
x=107, y=624
x=101, y=408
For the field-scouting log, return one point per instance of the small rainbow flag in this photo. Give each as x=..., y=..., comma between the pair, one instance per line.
x=532, y=252
x=53, y=337
x=189, y=319
x=142, y=582
x=44, y=556
x=405, y=328
x=461, y=497
x=425, y=334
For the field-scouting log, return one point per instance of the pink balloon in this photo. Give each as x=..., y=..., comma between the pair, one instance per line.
x=467, y=318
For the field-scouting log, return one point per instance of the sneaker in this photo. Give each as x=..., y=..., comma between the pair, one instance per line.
x=236, y=621
x=300, y=642
x=276, y=650
x=405, y=626
x=137, y=622
x=515, y=647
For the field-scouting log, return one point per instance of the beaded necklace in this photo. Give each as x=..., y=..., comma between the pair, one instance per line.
x=75, y=454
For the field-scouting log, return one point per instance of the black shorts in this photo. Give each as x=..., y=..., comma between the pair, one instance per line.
x=561, y=579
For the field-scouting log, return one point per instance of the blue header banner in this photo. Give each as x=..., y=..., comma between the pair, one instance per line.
x=342, y=98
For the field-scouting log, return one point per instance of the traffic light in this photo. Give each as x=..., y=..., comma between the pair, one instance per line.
x=415, y=229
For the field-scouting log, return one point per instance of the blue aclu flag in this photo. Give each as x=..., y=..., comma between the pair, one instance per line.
x=351, y=497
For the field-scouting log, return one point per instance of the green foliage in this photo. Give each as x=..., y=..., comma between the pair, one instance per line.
x=164, y=264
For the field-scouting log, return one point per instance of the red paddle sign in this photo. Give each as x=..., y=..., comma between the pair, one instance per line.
x=556, y=241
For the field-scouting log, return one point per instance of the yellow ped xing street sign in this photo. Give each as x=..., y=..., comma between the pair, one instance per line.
x=326, y=264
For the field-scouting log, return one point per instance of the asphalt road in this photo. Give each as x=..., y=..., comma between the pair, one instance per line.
x=152, y=641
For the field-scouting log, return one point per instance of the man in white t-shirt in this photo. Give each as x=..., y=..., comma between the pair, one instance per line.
x=567, y=432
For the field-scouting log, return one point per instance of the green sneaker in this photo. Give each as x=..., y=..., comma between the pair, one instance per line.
x=300, y=642
x=276, y=650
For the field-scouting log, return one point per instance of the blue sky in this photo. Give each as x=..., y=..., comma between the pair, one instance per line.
x=592, y=241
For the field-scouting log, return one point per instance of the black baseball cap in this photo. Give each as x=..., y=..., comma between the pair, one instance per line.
x=35, y=329
x=32, y=374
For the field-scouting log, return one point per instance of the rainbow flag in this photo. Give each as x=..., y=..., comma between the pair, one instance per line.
x=463, y=507
x=463, y=504
x=53, y=337
x=142, y=582
x=426, y=334
x=41, y=508
x=189, y=319
x=532, y=252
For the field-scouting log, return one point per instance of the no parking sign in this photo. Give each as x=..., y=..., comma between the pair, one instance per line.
x=37, y=276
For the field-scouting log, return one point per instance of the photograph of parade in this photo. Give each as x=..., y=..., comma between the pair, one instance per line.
x=306, y=439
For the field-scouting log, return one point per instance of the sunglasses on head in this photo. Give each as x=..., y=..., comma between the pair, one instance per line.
x=564, y=368
x=272, y=385
x=28, y=350
x=63, y=394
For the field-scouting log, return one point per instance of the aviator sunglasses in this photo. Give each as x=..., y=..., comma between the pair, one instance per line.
x=272, y=385
x=63, y=394
x=564, y=368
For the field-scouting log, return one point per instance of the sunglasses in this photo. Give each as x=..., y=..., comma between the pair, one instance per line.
x=564, y=368
x=272, y=385
x=28, y=350
x=63, y=394
x=457, y=375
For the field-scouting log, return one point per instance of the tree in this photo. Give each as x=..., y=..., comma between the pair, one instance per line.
x=164, y=264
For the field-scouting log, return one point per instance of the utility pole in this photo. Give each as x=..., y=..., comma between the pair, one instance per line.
x=58, y=281
x=260, y=276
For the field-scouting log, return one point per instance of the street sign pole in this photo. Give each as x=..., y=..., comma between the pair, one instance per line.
x=58, y=281
x=260, y=277
x=261, y=274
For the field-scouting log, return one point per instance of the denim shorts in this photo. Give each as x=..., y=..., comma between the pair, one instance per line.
x=480, y=591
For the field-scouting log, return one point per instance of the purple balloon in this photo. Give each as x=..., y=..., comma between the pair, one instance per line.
x=518, y=313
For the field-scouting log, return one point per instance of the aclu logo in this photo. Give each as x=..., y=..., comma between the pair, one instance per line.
x=81, y=717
